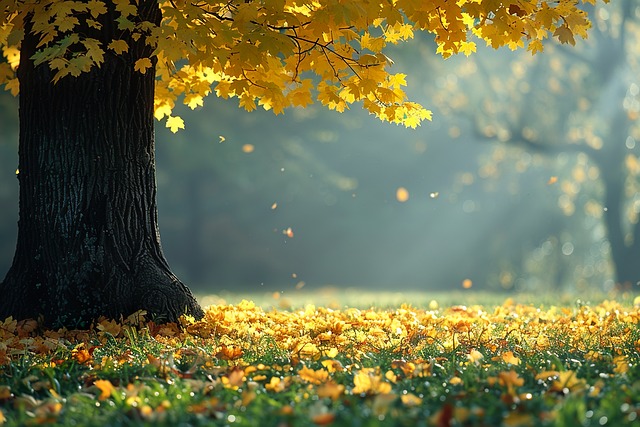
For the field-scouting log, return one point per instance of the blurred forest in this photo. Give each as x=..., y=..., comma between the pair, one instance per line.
x=526, y=180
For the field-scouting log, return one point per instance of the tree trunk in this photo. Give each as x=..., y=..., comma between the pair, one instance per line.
x=624, y=251
x=88, y=242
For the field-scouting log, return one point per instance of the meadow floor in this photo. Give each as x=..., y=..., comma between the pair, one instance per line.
x=310, y=359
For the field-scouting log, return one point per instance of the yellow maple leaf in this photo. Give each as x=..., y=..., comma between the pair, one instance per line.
x=564, y=34
x=96, y=8
x=194, y=101
x=118, y=46
x=162, y=110
x=374, y=44
x=467, y=48
x=142, y=65
x=174, y=123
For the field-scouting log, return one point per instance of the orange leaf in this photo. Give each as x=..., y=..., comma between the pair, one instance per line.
x=105, y=387
x=323, y=419
x=331, y=390
x=410, y=399
x=312, y=376
x=508, y=357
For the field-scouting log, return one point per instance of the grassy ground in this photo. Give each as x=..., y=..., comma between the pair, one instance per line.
x=447, y=359
x=336, y=298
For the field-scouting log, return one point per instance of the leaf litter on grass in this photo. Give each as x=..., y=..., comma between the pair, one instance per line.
x=511, y=365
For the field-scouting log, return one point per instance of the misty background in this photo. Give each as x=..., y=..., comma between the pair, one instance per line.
x=527, y=179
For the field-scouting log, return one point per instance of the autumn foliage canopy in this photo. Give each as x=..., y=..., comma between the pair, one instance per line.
x=278, y=53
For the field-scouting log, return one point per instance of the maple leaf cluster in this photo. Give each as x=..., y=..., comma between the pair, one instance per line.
x=281, y=53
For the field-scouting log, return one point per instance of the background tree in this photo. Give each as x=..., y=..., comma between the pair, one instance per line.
x=92, y=75
x=583, y=127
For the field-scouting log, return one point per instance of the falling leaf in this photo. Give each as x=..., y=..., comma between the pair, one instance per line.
x=467, y=283
x=288, y=232
x=402, y=195
x=222, y=139
x=274, y=206
x=552, y=180
x=434, y=194
x=248, y=148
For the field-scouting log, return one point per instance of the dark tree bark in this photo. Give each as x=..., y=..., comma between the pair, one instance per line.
x=88, y=242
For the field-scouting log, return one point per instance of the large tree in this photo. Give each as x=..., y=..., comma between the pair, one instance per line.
x=92, y=75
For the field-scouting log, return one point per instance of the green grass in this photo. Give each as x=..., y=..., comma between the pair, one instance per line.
x=336, y=297
x=445, y=360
